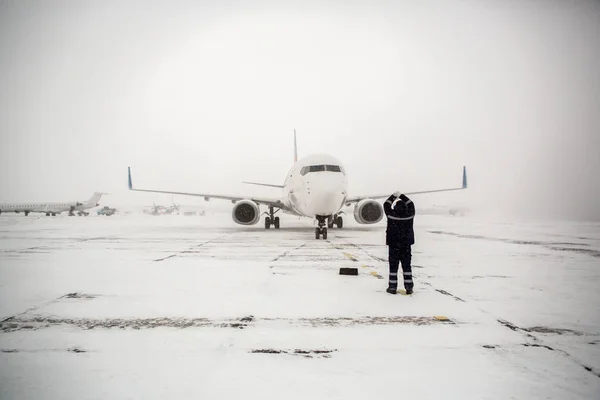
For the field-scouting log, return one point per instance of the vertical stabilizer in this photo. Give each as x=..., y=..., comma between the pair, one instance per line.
x=93, y=201
x=295, y=148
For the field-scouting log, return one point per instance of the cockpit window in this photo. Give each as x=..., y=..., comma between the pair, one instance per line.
x=320, y=168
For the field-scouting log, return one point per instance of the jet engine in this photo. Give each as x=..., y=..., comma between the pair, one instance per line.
x=246, y=212
x=368, y=212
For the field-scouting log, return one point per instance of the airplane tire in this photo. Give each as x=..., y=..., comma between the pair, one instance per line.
x=317, y=233
x=324, y=233
x=340, y=222
x=267, y=223
x=276, y=222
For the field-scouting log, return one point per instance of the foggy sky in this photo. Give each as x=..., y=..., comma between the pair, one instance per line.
x=198, y=96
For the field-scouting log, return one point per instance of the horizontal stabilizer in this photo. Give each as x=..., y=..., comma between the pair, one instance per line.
x=264, y=184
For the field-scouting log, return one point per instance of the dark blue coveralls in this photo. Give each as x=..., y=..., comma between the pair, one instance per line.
x=399, y=236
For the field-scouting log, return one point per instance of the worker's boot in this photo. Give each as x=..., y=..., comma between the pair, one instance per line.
x=392, y=289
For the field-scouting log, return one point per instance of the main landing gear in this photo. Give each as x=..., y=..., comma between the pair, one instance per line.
x=335, y=220
x=271, y=219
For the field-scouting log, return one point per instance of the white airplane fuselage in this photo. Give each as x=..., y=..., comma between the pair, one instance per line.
x=51, y=208
x=41, y=207
x=316, y=186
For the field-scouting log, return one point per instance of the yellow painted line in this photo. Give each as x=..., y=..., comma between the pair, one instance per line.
x=375, y=274
x=350, y=256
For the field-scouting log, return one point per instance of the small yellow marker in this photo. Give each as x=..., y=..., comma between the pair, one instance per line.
x=441, y=318
x=350, y=256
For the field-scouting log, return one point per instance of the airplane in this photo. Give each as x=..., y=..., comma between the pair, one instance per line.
x=315, y=187
x=53, y=208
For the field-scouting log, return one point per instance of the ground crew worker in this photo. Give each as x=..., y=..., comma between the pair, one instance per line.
x=399, y=236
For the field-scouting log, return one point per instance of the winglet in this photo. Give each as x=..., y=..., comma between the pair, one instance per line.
x=295, y=148
x=129, y=178
x=464, y=181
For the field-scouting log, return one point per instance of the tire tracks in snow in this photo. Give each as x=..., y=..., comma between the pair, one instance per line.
x=284, y=255
x=44, y=304
x=189, y=249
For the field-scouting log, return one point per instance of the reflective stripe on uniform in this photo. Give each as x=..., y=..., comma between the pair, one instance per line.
x=400, y=219
x=393, y=274
x=408, y=202
x=407, y=273
x=393, y=281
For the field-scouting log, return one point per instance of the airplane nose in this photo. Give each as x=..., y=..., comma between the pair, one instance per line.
x=327, y=202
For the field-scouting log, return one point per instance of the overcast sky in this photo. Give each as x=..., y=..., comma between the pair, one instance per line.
x=198, y=96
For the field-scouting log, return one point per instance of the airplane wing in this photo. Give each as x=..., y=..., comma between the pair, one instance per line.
x=264, y=184
x=356, y=199
x=275, y=202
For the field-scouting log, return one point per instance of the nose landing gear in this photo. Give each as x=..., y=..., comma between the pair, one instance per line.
x=321, y=229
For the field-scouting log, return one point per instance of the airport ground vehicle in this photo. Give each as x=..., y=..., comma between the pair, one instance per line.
x=106, y=211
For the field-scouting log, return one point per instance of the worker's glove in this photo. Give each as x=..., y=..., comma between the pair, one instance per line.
x=396, y=193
